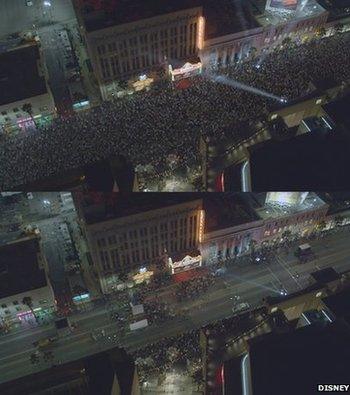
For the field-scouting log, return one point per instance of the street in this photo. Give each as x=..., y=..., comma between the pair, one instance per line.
x=15, y=16
x=250, y=282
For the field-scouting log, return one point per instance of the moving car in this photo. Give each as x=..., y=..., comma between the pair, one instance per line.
x=304, y=253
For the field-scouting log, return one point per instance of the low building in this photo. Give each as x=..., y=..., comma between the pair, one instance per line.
x=25, y=98
x=25, y=293
x=132, y=235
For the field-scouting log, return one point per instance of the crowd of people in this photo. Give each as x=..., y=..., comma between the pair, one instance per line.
x=158, y=312
x=150, y=126
x=193, y=288
x=158, y=358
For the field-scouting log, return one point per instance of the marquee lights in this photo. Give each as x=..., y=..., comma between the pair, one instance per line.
x=201, y=226
x=200, y=34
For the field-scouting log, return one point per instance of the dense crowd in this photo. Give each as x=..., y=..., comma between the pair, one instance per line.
x=193, y=288
x=158, y=358
x=148, y=127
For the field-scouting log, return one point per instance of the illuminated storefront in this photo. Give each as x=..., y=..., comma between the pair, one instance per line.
x=187, y=263
x=142, y=275
x=144, y=82
x=81, y=298
x=186, y=71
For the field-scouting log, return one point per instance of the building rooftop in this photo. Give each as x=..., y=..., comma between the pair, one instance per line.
x=20, y=77
x=337, y=201
x=119, y=12
x=279, y=13
x=338, y=111
x=295, y=363
x=284, y=207
x=339, y=303
x=308, y=161
x=227, y=16
x=99, y=207
x=337, y=8
x=224, y=210
x=19, y=267
x=324, y=276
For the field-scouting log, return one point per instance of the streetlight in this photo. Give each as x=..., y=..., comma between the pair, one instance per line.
x=47, y=3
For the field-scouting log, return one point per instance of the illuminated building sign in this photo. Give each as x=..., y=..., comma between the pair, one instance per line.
x=81, y=298
x=81, y=104
x=186, y=71
x=201, y=226
x=187, y=263
x=200, y=35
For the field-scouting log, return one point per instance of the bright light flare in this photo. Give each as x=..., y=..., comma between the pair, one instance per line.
x=221, y=79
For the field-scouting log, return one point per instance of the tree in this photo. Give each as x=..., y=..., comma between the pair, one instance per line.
x=27, y=107
x=27, y=300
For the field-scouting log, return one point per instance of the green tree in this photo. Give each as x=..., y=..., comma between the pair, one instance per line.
x=27, y=300
x=27, y=107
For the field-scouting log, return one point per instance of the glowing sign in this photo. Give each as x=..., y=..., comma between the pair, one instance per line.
x=186, y=71
x=200, y=34
x=201, y=226
x=187, y=263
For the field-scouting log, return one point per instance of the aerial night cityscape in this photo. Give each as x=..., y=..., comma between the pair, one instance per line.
x=174, y=197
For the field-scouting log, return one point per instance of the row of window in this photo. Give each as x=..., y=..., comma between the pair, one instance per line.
x=145, y=39
x=135, y=247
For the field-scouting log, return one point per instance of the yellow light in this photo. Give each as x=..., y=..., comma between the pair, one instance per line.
x=201, y=225
x=200, y=35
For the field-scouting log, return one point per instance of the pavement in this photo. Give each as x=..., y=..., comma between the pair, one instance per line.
x=250, y=282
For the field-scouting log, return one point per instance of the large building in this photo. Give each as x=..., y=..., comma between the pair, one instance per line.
x=133, y=235
x=25, y=98
x=133, y=37
x=25, y=293
x=257, y=28
x=261, y=220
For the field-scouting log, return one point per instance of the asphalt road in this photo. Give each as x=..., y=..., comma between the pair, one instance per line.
x=250, y=282
x=15, y=16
